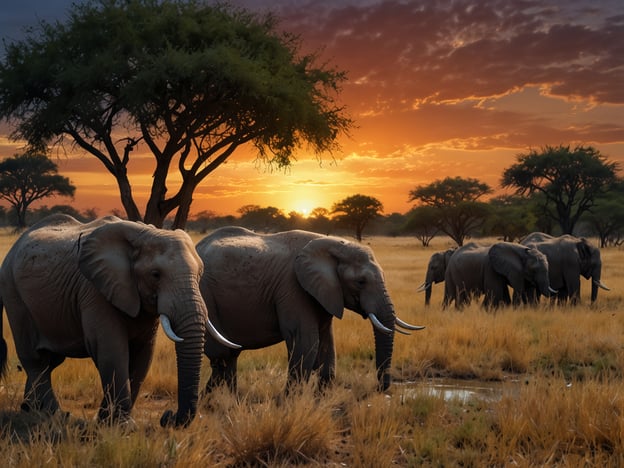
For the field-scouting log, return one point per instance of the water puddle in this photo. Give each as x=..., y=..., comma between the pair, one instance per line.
x=459, y=390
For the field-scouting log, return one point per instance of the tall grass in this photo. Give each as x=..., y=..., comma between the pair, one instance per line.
x=561, y=370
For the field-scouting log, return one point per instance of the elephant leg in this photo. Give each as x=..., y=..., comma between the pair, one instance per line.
x=38, y=392
x=303, y=350
x=140, y=358
x=326, y=359
x=107, y=344
x=223, y=372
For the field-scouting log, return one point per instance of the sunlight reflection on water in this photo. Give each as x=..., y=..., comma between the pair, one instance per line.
x=461, y=390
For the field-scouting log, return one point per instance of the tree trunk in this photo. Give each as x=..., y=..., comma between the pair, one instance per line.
x=125, y=191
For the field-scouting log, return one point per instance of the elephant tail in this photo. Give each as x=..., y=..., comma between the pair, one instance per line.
x=3, y=345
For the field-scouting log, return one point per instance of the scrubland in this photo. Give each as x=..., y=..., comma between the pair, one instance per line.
x=559, y=370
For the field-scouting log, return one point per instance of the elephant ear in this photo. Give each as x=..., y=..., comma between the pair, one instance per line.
x=316, y=270
x=106, y=260
x=506, y=259
x=584, y=249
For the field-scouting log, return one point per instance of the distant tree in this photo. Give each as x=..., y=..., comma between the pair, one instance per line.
x=569, y=179
x=190, y=80
x=45, y=210
x=423, y=222
x=28, y=177
x=266, y=219
x=319, y=221
x=356, y=211
x=511, y=218
x=606, y=218
x=390, y=225
x=296, y=220
x=457, y=204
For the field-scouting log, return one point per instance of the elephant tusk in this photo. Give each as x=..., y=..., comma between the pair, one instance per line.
x=406, y=325
x=378, y=325
x=166, y=325
x=601, y=285
x=423, y=287
x=219, y=337
x=552, y=291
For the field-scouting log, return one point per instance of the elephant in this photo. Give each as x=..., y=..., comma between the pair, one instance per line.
x=97, y=290
x=569, y=257
x=475, y=270
x=436, y=268
x=262, y=289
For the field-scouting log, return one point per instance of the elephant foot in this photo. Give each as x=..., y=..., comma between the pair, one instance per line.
x=171, y=419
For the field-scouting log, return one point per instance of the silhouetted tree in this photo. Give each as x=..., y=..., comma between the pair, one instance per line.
x=356, y=212
x=190, y=80
x=267, y=219
x=568, y=179
x=29, y=177
x=606, y=218
x=511, y=218
x=457, y=204
x=423, y=222
x=319, y=221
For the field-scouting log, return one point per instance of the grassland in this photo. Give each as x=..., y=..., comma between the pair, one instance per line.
x=560, y=372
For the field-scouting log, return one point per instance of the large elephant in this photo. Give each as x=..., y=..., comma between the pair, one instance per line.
x=569, y=257
x=476, y=270
x=436, y=269
x=264, y=289
x=97, y=290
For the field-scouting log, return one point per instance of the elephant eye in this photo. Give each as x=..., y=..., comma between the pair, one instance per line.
x=361, y=282
x=155, y=275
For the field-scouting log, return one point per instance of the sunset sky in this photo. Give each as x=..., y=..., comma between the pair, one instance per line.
x=436, y=89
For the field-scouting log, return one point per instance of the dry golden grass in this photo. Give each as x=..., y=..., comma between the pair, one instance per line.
x=560, y=368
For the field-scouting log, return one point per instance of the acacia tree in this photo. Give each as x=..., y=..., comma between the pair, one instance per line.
x=458, y=209
x=606, y=218
x=568, y=179
x=422, y=222
x=28, y=177
x=356, y=212
x=187, y=81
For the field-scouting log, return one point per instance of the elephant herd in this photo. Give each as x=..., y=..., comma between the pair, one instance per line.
x=97, y=290
x=538, y=265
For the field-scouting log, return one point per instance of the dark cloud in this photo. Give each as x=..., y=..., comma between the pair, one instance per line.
x=438, y=51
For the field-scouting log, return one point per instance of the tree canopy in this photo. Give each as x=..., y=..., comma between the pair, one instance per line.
x=568, y=179
x=458, y=209
x=356, y=212
x=28, y=177
x=188, y=81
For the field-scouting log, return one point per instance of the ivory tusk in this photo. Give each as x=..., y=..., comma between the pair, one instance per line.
x=601, y=285
x=378, y=325
x=166, y=325
x=423, y=287
x=552, y=291
x=406, y=325
x=219, y=337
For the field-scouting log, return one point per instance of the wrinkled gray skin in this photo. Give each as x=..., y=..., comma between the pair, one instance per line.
x=264, y=289
x=96, y=290
x=436, y=269
x=476, y=270
x=569, y=258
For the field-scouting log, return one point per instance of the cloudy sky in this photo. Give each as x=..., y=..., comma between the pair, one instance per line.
x=437, y=89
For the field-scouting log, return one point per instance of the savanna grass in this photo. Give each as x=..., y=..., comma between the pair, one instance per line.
x=559, y=372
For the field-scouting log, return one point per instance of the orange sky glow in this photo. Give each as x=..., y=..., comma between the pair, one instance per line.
x=436, y=89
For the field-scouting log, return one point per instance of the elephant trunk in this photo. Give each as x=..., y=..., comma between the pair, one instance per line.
x=428, y=290
x=384, y=343
x=596, y=283
x=188, y=319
